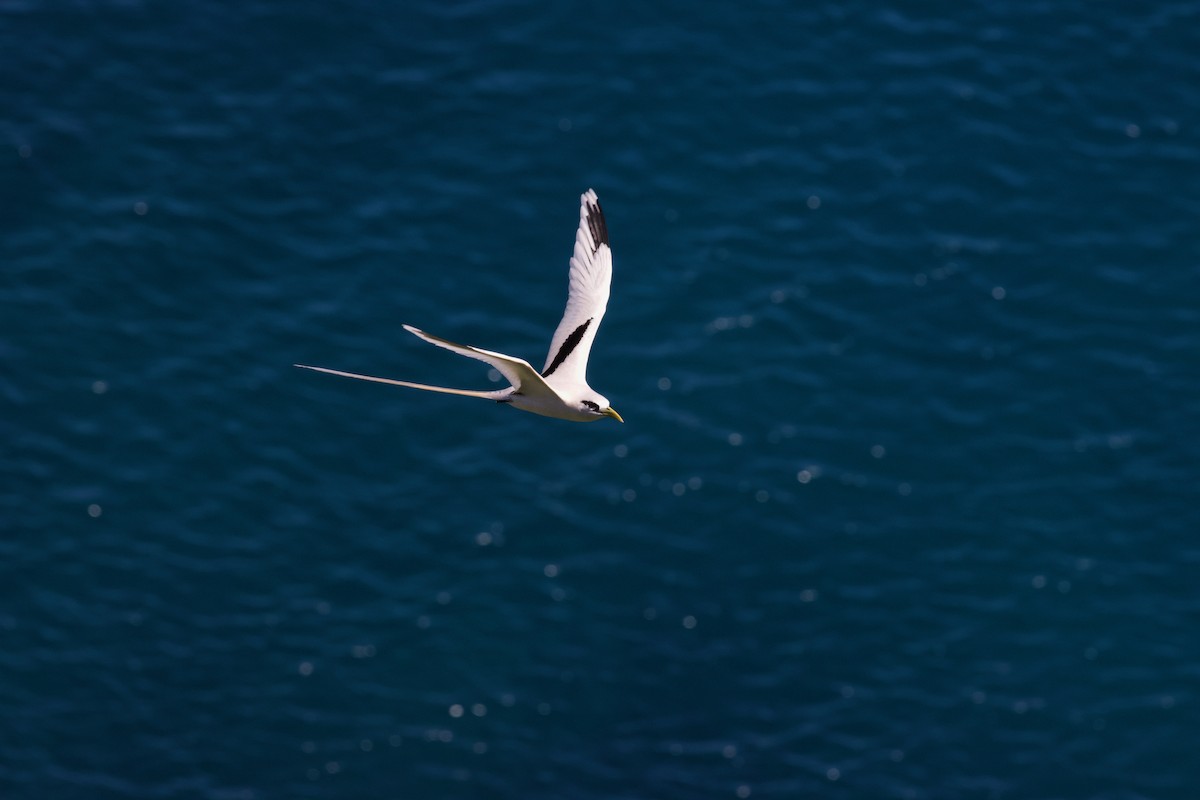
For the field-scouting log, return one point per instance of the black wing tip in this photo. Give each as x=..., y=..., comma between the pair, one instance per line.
x=595, y=221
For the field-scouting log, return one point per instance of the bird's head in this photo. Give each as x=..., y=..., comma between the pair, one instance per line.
x=599, y=406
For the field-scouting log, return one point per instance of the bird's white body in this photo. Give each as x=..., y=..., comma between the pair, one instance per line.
x=560, y=390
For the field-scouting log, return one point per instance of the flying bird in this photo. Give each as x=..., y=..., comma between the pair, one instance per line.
x=560, y=390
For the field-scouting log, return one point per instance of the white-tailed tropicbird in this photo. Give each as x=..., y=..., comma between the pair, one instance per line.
x=560, y=389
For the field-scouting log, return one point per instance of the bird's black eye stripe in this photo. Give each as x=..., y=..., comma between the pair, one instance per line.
x=592, y=405
x=596, y=226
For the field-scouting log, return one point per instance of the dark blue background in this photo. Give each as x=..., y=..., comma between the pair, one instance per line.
x=904, y=328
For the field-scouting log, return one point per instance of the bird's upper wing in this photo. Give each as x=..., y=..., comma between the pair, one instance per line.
x=524, y=378
x=587, y=297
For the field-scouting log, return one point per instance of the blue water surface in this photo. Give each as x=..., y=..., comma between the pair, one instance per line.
x=905, y=327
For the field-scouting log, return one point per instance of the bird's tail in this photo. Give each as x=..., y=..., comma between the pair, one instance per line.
x=442, y=389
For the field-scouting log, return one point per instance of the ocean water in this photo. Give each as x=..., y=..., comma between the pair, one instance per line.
x=905, y=327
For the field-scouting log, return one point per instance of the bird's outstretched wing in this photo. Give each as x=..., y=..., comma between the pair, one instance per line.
x=517, y=371
x=524, y=378
x=587, y=297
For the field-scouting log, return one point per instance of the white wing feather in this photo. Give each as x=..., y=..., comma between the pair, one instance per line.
x=587, y=298
x=524, y=378
x=517, y=371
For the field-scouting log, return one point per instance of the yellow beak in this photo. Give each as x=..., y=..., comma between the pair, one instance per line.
x=611, y=412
